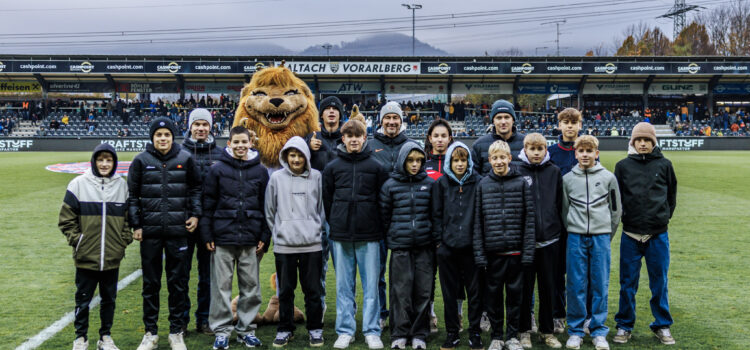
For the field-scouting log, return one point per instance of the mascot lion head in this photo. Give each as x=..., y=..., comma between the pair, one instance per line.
x=277, y=105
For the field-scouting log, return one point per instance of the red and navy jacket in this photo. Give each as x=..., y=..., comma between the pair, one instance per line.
x=434, y=165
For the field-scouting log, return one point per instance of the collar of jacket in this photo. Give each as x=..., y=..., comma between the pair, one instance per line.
x=336, y=134
x=229, y=159
x=399, y=139
x=173, y=152
x=655, y=154
x=195, y=146
x=512, y=172
x=513, y=131
x=527, y=163
x=100, y=180
x=352, y=157
x=595, y=169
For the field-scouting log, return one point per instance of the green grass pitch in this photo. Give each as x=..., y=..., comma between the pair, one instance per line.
x=708, y=275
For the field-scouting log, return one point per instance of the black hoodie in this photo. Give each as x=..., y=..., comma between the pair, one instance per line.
x=648, y=187
x=104, y=147
x=205, y=153
x=480, y=149
x=385, y=149
x=547, y=188
x=405, y=205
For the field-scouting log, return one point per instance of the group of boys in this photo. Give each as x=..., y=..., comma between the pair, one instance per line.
x=506, y=214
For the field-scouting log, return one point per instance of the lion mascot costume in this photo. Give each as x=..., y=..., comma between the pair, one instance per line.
x=277, y=105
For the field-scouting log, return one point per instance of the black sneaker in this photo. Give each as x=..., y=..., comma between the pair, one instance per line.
x=282, y=339
x=451, y=342
x=475, y=341
x=316, y=338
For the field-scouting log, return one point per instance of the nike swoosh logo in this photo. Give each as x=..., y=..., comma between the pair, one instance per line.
x=378, y=150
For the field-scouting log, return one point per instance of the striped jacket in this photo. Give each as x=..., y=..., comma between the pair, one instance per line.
x=93, y=218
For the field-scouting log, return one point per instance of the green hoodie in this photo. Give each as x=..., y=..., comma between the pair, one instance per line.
x=591, y=201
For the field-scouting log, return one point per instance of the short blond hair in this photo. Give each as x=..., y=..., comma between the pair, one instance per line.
x=587, y=141
x=534, y=139
x=499, y=146
x=571, y=114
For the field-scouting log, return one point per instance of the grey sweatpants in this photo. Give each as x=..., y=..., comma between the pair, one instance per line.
x=223, y=262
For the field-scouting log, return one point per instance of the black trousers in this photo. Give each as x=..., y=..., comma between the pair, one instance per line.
x=203, y=292
x=310, y=266
x=411, y=279
x=175, y=251
x=542, y=271
x=504, y=275
x=86, y=282
x=458, y=272
x=559, y=278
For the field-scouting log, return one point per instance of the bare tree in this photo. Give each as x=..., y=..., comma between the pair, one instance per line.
x=511, y=52
x=729, y=28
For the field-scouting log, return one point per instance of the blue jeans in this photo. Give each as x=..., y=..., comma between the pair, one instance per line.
x=588, y=260
x=381, y=281
x=347, y=257
x=656, y=252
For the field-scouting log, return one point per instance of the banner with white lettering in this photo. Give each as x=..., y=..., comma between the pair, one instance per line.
x=349, y=88
x=482, y=88
x=353, y=68
x=233, y=88
x=613, y=89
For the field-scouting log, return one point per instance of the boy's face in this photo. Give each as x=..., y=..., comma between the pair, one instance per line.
x=239, y=144
x=199, y=129
x=535, y=153
x=331, y=115
x=163, y=140
x=586, y=157
x=643, y=145
x=104, y=163
x=439, y=139
x=353, y=143
x=503, y=123
x=459, y=166
x=414, y=161
x=499, y=162
x=569, y=129
x=296, y=161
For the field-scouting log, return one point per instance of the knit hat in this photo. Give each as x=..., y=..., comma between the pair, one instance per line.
x=331, y=101
x=643, y=129
x=503, y=106
x=200, y=114
x=162, y=122
x=391, y=107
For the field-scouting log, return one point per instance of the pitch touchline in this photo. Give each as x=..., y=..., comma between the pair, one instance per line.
x=49, y=332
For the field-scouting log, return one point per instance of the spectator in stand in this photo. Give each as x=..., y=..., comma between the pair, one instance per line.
x=54, y=124
x=65, y=119
x=120, y=133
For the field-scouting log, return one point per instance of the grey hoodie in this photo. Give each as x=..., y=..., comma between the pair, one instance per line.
x=294, y=205
x=591, y=201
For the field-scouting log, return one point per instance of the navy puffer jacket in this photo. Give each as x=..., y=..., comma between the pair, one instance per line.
x=233, y=202
x=405, y=205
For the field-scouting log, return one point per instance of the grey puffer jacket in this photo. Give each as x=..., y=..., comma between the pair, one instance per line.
x=405, y=205
x=504, y=218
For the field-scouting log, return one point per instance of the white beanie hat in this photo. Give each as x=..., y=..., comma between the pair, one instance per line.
x=200, y=114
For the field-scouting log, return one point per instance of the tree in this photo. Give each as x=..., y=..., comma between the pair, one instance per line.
x=728, y=28
x=628, y=47
x=654, y=43
x=693, y=40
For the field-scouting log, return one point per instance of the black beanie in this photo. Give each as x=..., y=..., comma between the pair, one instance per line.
x=331, y=101
x=162, y=122
x=103, y=147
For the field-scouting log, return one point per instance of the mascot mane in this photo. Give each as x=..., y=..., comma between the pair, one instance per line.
x=277, y=105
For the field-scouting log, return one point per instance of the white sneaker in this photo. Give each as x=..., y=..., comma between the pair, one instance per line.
x=176, y=341
x=665, y=336
x=534, y=326
x=586, y=324
x=399, y=343
x=574, y=342
x=80, y=344
x=106, y=344
x=418, y=344
x=600, y=343
x=525, y=339
x=621, y=337
x=496, y=344
x=343, y=341
x=484, y=323
x=149, y=342
x=373, y=341
x=513, y=344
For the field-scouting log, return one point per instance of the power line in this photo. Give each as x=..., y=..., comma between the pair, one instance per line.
x=121, y=7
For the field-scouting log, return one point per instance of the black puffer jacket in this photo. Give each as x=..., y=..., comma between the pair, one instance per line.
x=351, y=184
x=234, y=201
x=546, y=186
x=405, y=205
x=453, y=203
x=205, y=153
x=504, y=217
x=385, y=149
x=164, y=191
x=327, y=152
x=648, y=187
x=480, y=148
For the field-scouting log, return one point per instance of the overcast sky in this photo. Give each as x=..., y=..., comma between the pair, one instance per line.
x=496, y=25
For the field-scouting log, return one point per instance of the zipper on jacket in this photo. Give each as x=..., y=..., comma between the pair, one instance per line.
x=104, y=227
x=538, y=220
x=588, y=203
x=80, y=239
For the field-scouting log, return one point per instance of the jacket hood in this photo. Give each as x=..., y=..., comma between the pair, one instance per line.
x=447, y=164
x=194, y=146
x=399, y=172
x=299, y=144
x=525, y=159
x=595, y=169
x=104, y=147
x=253, y=158
x=365, y=153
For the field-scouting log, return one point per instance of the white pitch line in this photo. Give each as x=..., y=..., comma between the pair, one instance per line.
x=49, y=332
